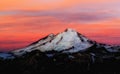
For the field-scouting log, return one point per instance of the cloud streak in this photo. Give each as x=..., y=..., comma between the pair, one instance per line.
x=64, y=16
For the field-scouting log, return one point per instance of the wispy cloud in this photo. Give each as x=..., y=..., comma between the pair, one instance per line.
x=64, y=16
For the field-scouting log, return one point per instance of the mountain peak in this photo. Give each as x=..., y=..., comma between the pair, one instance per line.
x=69, y=30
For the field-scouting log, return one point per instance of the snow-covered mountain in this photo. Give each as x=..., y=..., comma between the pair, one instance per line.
x=69, y=41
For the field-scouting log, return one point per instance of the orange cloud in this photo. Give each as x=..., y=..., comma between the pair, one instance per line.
x=44, y=5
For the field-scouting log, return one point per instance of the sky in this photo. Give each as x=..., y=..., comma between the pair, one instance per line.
x=25, y=21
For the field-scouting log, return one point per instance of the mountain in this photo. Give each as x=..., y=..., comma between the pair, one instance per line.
x=68, y=41
x=66, y=52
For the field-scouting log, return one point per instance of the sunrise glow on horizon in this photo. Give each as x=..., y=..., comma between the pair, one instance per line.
x=25, y=21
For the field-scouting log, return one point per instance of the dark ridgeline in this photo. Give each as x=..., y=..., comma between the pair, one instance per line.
x=37, y=62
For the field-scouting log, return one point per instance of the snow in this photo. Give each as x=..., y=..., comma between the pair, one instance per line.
x=69, y=38
x=6, y=56
x=50, y=55
x=111, y=48
x=93, y=57
x=30, y=48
